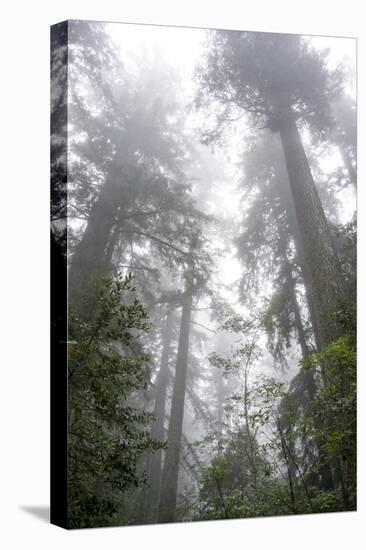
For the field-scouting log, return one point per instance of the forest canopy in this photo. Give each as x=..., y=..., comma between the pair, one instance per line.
x=203, y=201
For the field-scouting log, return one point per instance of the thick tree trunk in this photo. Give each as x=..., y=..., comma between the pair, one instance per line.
x=169, y=482
x=157, y=430
x=89, y=260
x=326, y=475
x=322, y=264
x=294, y=228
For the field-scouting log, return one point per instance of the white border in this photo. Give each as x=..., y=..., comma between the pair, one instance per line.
x=24, y=272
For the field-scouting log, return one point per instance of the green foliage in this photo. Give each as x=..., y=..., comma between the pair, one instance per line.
x=228, y=480
x=335, y=411
x=267, y=75
x=107, y=434
x=275, y=463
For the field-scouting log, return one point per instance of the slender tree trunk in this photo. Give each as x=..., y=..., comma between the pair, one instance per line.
x=308, y=375
x=322, y=264
x=288, y=468
x=169, y=482
x=251, y=441
x=157, y=430
x=111, y=246
x=299, y=326
x=221, y=496
x=220, y=408
x=310, y=303
x=348, y=165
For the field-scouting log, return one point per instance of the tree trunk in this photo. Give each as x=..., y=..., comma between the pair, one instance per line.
x=299, y=325
x=326, y=475
x=89, y=260
x=294, y=228
x=348, y=165
x=111, y=246
x=169, y=482
x=322, y=264
x=157, y=430
x=289, y=468
x=220, y=409
x=308, y=375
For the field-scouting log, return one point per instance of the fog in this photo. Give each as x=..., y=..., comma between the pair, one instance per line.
x=212, y=174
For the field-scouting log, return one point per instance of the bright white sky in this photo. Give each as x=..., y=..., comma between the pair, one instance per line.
x=181, y=48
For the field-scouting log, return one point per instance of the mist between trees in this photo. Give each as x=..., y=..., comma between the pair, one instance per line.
x=207, y=220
